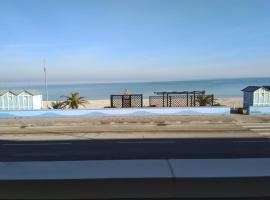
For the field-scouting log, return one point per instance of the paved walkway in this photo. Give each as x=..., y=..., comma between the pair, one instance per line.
x=234, y=126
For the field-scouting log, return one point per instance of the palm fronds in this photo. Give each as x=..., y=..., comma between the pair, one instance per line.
x=205, y=100
x=74, y=100
x=57, y=105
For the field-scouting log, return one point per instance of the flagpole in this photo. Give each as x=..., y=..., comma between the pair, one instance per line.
x=46, y=85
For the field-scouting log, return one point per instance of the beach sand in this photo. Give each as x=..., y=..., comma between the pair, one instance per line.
x=231, y=102
x=235, y=102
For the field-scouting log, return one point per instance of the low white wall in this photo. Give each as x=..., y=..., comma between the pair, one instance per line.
x=259, y=110
x=218, y=110
x=37, y=102
x=137, y=179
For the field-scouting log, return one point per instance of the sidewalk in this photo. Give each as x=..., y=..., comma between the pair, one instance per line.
x=234, y=126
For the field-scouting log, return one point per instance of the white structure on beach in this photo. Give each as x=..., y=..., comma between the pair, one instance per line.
x=20, y=100
x=256, y=96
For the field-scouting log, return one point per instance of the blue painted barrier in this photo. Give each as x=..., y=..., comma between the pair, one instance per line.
x=259, y=110
x=219, y=110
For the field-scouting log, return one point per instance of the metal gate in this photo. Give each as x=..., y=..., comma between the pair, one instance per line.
x=126, y=101
x=177, y=99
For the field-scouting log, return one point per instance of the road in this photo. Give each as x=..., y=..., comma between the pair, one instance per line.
x=134, y=149
x=186, y=139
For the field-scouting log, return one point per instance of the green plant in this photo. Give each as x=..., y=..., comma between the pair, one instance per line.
x=57, y=105
x=74, y=100
x=205, y=100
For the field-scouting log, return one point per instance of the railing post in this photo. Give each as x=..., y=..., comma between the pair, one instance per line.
x=194, y=99
x=163, y=99
x=111, y=96
x=167, y=100
x=141, y=100
x=187, y=98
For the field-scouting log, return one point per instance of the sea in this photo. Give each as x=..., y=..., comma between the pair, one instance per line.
x=221, y=88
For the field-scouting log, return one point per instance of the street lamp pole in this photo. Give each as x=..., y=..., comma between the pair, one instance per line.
x=46, y=85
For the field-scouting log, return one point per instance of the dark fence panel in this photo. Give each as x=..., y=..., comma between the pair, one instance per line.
x=127, y=101
x=158, y=101
x=181, y=100
x=136, y=101
x=116, y=101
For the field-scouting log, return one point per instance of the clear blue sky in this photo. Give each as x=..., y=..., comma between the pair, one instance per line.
x=125, y=40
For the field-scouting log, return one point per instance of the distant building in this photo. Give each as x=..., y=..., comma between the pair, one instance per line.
x=256, y=96
x=20, y=100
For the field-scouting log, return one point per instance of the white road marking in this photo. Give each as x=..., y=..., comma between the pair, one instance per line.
x=36, y=144
x=147, y=142
x=260, y=126
x=252, y=124
x=262, y=129
x=253, y=141
x=37, y=154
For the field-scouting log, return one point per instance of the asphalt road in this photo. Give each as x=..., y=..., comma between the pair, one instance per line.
x=134, y=149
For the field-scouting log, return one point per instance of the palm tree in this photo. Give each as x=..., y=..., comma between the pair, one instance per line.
x=57, y=105
x=205, y=100
x=74, y=100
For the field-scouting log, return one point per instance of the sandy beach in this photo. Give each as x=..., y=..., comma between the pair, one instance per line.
x=231, y=102
x=234, y=102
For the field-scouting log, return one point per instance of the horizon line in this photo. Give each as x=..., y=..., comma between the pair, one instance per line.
x=115, y=82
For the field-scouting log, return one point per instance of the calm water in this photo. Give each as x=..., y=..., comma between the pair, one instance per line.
x=220, y=88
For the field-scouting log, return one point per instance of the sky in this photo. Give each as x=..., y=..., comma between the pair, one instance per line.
x=134, y=40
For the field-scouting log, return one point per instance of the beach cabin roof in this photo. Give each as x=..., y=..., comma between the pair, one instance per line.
x=266, y=87
x=2, y=92
x=251, y=88
x=33, y=92
x=254, y=88
x=17, y=92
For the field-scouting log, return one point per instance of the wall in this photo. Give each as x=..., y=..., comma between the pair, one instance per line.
x=9, y=101
x=261, y=97
x=217, y=110
x=259, y=110
x=6, y=103
x=248, y=99
x=37, y=102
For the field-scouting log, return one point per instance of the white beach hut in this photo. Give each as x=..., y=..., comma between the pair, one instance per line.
x=256, y=96
x=20, y=100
